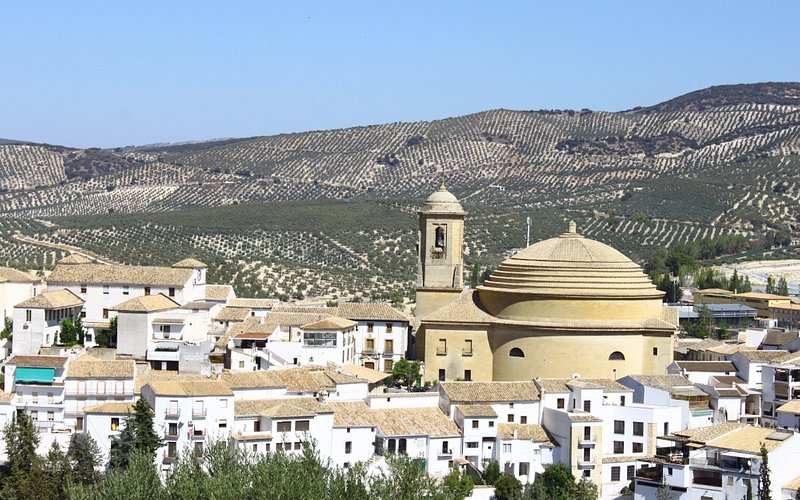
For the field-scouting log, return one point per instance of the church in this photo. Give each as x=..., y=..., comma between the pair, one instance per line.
x=562, y=307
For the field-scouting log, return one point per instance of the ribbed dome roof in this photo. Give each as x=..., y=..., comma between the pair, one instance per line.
x=571, y=265
x=443, y=201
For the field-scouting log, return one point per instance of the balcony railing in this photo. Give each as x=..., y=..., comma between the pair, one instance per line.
x=171, y=436
x=172, y=412
x=465, y=352
x=199, y=412
x=388, y=353
x=441, y=352
x=368, y=350
x=650, y=473
x=109, y=393
x=169, y=457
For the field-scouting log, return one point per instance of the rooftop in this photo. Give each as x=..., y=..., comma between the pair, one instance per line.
x=664, y=382
x=702, y=435
x=792, y=406
x=307, y=379
x=56, y=299
x=232, y=314
x=110, y=408
x=117, y=274
x=218, y=292
x=279, y=408
x=476, y=410
x=750, y=439
x=147, y=303
x=487, y=392
x=92, y=368
x=8, y=274
x=330, y=323
x=528, y=432
x=73, y=259
x=37, y=361
x=706, y=366
x=251, y=303
x=763, y=356
x=370, y=311
x=189, y=264
x=190, y=388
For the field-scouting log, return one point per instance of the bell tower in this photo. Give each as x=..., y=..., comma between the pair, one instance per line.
x=440, y=258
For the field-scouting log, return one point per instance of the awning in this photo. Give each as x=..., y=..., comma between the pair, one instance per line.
x=35, y=375
x=739, y=454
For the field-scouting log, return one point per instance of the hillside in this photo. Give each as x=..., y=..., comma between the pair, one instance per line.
x=722, y=160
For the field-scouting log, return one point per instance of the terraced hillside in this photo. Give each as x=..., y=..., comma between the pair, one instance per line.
x=722, y=160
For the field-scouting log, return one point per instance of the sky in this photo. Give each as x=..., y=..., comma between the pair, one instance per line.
x=108, y=74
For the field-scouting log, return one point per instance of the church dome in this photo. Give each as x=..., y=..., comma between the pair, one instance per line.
x=442, y=201
x=570, y=276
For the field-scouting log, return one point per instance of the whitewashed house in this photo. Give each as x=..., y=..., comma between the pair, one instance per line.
x=672, y=390
x=780, y=384
x=523, y=450
x=91, y=382
x=38, y=384
x=381, y=333
x=103, y=422
x=187, y=413
x=750, y=365
x=15, y=287
x=37, y=320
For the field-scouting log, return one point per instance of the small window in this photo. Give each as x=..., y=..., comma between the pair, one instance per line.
x=370, y=327
x=619, y=447
x=638, y=428
x=389, y=328
x=655, y=351
x=301, y=426
x=587, y=406
x=298, y=445
x=619, y=427
x=516, y=353
x=472, y=444
x=241, y=364
x=510, y=418
x=171, y=292
x=615, y=473
x=284, y=426
x=631, y=472
x=506, y=447
x=523, y=419
x=114, y=423
x=560, y=403
x=105, y=313
x=468, y=375
x=79, y=424
x=83, y=288
x=105, y=289
x=638, y=447
x=441, y=375
x=616, y=356
x=27, y=315
x=491, y=423
x=126, y=290
x=147, y=290
x=348, y=447
x=223, y=424
x=475, y=424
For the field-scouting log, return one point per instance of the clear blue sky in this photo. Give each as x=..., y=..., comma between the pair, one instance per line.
x=118, y=73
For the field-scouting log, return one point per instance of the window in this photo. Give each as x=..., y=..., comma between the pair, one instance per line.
x=114, y=423
x=198, y=449
x=439, y=238
x=389, y=327
x=105, y=289
x=491, y=423
x=638, y=447
x=655, y=351
x=441, y=348
x=467, y=348
x=616, y=356
x=441, y=375
x=301, y=426
x=619, y=427
x=587, y=473
x=147, y=290
x=241, y=364
x=298, y=445
x=587, y=433
x=126, y=290
x=468, y=375
x=472, y=444
x=172, y=449
x=587, y=454
x=669, y=471
x=257, y=426
x=475, y=424
x=510, y=417
x=560, y=403
x=615, y=473
x=105, y=313
x=516, y=353
x=223, y=403
x=388, y=364
x=445, y=447
x=27, y=315
x=255, y=448
x=523, y=468
x=285, y=426
x=506, y=447
x=622, y=400
x=35, y=397
x=523, y=419
x=266, y=447
x=666, y=428
x=619, y=447
x=370, y=327
x=348, y=447
x=50, y=416
x=223, y=424
x=171, y=292
x=631, y=472
x=83, y=288
x=587, y=406
x=638, y=428
x=173, y=429
x=369, y=345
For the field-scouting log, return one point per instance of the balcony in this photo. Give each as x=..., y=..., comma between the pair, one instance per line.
x=708, y=480
x=172, y=413
x=466, y=352
x=654, y=474
x=99, y=394
x=369, y=351
x=199, y=412
x=388, y=353
x=444, y=454
x=197, y=434
x=441, y=352
x=171, y=436
x=169, y=457
x=582, y=462
x=583, y=443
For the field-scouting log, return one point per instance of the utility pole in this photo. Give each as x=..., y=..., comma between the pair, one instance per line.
x=528, y=237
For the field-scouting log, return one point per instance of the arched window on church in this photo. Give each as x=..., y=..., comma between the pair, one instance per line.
x=516, y=353
x=616, y=356
x=439, y=240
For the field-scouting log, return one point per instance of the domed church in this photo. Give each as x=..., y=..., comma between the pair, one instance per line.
x=563, y=306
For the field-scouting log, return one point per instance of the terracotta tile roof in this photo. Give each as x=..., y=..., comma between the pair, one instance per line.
x=702, y=435
x=189, y=264
x=414, y=422
x=370, y=311
x=232, y=314
x=110, y=408
x=528, y=432
x=763, y=356
x=368, y=374
x=466, y=309
x=794, y=484
x=218, y=292
x=280, y=408
x=93, y=368
x=664, y=382
x=779, y=338
x=37, y=361
x=762, y=296
x=714, y=291
x=6, y=397
x=792, y=406
x=487, y=392
x=706, y=366
x=144, y=376
x=582, y=417
x=251, y=303
x=563, y=385
x=307, y=378
x=73, y=259
x=330, y=323
x=102, y=274
x=295, y=319
x=351, y=414
x=618, y=459
x=57, y=299
x=8, y=274
x=748, y=439
x=253, y=328
x=697, y=345
x=147, y=303
x=199, y=304
x=477, y=410
x=191, y=388
x=252, y=436
x=327, y=311
x=789, y=357
x=730, y=348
